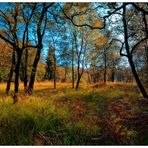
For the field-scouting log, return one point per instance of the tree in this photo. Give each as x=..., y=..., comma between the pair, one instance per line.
x=12, y=18
x=129, y=53
x=41, y=20
x=49, y=66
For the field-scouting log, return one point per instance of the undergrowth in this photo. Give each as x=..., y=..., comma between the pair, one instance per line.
x=94, y=116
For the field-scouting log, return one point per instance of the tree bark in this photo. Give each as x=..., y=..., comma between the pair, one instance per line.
x=10, y=75
x=9, y=80
x=33, y=72
x=72, y=67
x=25, y=71
x=78, y=81
x=65, y=75
x=105, y=66
x=25, y=66
x=78, y=74
x=113, y=75
x=141, y=87
x=54, y=74
x=16, y=86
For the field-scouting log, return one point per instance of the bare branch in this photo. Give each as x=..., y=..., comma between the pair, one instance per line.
x=78, y=25
x=134, y=47
x=87, y=25
x=139, y=8
x=121, y=48
x=8, y=41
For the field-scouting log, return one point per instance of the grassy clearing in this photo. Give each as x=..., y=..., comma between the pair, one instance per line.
x=90, y=115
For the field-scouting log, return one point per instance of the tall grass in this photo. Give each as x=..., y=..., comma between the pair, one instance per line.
x=63, y=116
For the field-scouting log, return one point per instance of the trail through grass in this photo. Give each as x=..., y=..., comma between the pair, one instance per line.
x=88, y=116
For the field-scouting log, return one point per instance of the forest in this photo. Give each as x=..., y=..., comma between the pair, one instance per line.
x=73, y=73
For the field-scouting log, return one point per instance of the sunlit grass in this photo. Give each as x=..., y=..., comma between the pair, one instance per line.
x=63, y=115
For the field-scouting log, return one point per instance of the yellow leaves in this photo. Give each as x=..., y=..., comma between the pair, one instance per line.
x=97, y=23
x=100, y=40
x=82, y=13
x=82, y=5
x=81, y=19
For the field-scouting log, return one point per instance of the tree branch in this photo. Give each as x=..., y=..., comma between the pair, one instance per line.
x=139, y=8
x=121, y=48
x=78, y=25
x=134, y=47
x=8, y=41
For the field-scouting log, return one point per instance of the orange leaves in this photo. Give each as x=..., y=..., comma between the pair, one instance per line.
x=118, y=112
x=101, y=41
x=97, y=23
x=78, y=107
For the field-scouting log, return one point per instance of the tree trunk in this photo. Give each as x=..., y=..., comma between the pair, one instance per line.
x=33, y=72
x=65, y=75
x=105, y=66
x=25, y=71
x=54, y=74
x=105, y=76
x=9, y=80
x=113, y=75
x=10, y=75
x=143, y=91
x=16, y=86
x=78, y=74
x=129, y=56
x=25, y=67
x=72, y=67
x=94, y=75
x=88, y=77
x=78, y=81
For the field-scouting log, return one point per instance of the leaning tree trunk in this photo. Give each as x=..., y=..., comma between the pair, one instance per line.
x=78, y=74
x=10, y=75
x=33, y=72
x=141, y=87
x=78, y=81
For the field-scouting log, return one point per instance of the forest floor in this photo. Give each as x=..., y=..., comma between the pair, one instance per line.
x=97, y=114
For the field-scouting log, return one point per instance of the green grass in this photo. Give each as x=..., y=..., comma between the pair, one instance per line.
x=65, y=116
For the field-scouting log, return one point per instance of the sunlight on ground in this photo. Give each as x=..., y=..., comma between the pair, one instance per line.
x=68, y=116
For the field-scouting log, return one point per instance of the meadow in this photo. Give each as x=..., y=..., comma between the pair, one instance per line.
x=97, y=114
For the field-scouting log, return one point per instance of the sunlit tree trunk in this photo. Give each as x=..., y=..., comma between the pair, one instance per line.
x=54, y=73
x=33, y=72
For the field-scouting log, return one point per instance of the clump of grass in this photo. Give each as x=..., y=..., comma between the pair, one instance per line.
x=16, y=126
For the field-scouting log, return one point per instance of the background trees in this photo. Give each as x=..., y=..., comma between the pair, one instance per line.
x=77, y=41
